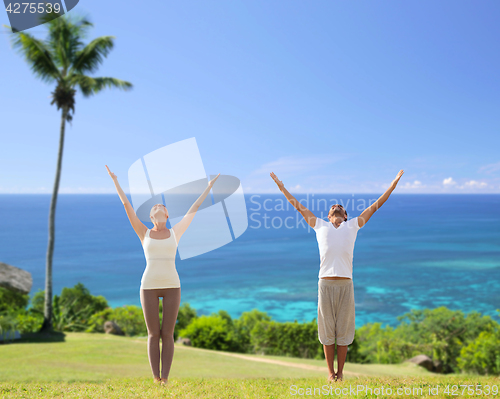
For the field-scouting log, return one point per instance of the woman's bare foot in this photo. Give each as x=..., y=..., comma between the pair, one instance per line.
x=331, y=378
x=340, y=377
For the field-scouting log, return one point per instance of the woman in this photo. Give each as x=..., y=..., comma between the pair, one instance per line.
x=336, y=310
x=160, y=278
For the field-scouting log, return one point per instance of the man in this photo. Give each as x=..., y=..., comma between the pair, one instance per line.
x=336, y=238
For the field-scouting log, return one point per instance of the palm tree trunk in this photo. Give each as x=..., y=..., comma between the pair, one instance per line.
x=47, y=314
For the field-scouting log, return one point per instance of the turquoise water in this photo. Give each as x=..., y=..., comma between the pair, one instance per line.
x=417, y=251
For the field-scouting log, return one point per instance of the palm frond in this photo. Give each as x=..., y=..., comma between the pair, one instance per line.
x=79, y=25
x=64, y=38
x=89, y=85
x=37, y=54
x=89, y=58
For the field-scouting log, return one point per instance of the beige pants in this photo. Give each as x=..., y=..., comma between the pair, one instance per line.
x=336, y=311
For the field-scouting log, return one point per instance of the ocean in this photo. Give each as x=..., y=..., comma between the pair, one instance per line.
x=417, y=251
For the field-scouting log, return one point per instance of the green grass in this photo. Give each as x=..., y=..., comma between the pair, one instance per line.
x=108, y=366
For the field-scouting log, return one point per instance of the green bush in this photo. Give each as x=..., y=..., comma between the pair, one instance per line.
x=212, y=332
x=245, y=324
x=8, y=322
x=97, y=320
x=287, y=339
x=38, y=301
x=72, y=310
x=374, y=344
x=10, y=299
x=28, y=321
x=79, y=298
x=439, y=333
x=129, y=318
x=481, y=356
x=184, y=317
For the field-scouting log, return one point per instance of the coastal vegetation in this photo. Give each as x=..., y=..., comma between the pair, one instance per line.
x=456, y=342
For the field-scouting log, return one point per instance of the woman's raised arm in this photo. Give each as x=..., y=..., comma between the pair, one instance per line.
x=181, y=227
x=306, y=213
x=139, y=227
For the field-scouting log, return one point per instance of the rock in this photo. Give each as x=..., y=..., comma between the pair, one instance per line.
x=423, y=361
x=15, y=279
x=110, y=327
x=438, y=366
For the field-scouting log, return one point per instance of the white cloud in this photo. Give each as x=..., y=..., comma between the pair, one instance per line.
x=471, y=184
x=449, y=182
x=474, y=184
x=415, y=184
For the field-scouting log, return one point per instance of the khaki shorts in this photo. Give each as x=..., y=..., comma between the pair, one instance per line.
x=336, y=311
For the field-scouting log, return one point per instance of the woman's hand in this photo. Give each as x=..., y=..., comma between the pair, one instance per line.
x=211, y=182
x=113, y=176
x=396, y=180
x=278, y=182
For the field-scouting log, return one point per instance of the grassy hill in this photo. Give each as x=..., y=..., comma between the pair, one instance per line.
x=108, y=366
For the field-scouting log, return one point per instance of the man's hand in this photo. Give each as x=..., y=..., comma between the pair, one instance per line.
x=278, y=182
x=396, y=180
x=306, y=213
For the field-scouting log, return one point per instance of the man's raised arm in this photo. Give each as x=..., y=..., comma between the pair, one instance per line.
x=368, y=212
x=306, y=213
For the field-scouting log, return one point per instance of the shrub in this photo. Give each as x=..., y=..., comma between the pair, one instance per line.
x=184, y=317
x=374, y=344
x=212, y=332
x=72, y=310
x=97, y=320
x=129, y=318
x=245, y=324
x=38, y=301
x=287, y=339
x=29, y=321
x=8, y=323
x=79, y=298
x=441, y=333
x=481, y=356
x=10, y=299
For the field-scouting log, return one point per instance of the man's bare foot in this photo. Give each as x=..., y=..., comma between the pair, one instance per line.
x=157, y=380
x=164, y=381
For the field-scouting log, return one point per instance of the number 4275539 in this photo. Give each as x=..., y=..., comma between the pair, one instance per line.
x=41, y=8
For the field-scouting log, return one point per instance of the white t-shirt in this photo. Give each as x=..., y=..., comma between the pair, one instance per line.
x=336, y=247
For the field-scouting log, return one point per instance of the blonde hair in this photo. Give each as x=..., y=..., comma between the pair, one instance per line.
x=153, y=210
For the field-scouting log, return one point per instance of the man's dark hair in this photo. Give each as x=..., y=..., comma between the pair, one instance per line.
x=333, y=206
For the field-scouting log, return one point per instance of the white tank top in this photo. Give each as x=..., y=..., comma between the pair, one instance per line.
x=160, y=269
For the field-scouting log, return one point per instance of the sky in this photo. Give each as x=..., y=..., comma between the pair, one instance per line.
x=332, y=96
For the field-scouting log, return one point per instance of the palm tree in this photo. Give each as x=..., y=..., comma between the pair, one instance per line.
x=63, y=59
